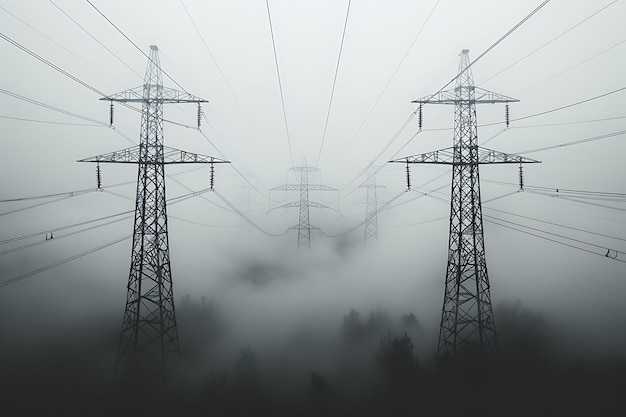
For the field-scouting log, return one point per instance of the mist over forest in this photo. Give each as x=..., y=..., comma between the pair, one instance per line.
x=338, y=90
x=330, y=332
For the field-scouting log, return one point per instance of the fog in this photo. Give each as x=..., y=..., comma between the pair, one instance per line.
x=348, y=327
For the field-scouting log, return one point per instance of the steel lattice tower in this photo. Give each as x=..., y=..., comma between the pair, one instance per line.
x=149, y=334
x=371, y=205
x=304, y=226
x=467, y=315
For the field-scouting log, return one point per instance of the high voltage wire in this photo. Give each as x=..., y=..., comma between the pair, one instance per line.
x=573, y=67
x=387, y=145
x=62, y=262
x=558, y=224
x=393, y=75
x=171, y=201
x=503, y=37
x=66, y=112
x=549, y=42
x=77, y=80
x=608, y=253
x=563, y=190
x=576, y=142
x=36, y=205
x=254, y=187
x=219, y=69
x=577, y=201
x=332, y=92
x=486, y=51
x=494, y=220
x=246, y=218
x=568, y=105
x=60, y=228
x=55, y=238
x=569, y=123
x=51, y=65
x=96, y=39
x=280, y=84
x=90, y=251
x=56, y=43
x=374, y=213
x=37, y=197
x=134, y=44
x=49, y=122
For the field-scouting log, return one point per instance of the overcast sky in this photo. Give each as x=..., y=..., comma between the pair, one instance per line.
x=230, y=63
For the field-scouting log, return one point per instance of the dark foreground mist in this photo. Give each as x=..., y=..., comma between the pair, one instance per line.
x=367, y=363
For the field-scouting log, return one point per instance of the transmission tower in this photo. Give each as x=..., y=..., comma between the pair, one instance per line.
x=467, y=314
x=304, y=226
x=371, y=205
x=149, y=334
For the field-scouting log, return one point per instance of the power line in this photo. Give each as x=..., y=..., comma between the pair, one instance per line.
x=387, y=145
x=578, y=201
x=254, y=187
x=219, y=69
x=573, y=67
x=576, y=142
x=557, y=224
x=246, y=218
x=332, y=92
x=49, y=122
x=569, y=123
x=486, y=51
x=393, y=75
x=51, y=65
x=61, y=262
x=495, y=221
x=61, y=194
x=567, y=106
x=96, y=39
x=374, y=213
x=492, y=219
x=280, y=84
x=56, y=43
x=36, y=205
x=549, y=42
x=135, y=45
x=60, y=228
x=55, y=238
x=503, y=37
x=563, y=190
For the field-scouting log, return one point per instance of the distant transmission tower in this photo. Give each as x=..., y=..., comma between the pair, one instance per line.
x=371, y=205
x=304, y=226
x=467, y=315
x=149, y=334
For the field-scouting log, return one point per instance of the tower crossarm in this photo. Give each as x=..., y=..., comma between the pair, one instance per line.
x=165, y=95
x=471, y=95
x=288, y=205
x=311, y=227
x=297, y=187
x=452, y=156
x=311, y=204
x=134, y=155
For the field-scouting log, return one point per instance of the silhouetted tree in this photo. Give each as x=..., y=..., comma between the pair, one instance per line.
x=378, y=322
x=397, y=361
x=320, y=394
x=523, y=334
x=352, y=326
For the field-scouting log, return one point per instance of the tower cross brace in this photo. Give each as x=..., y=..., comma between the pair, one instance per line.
x=149, y=334
x=467, y=315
